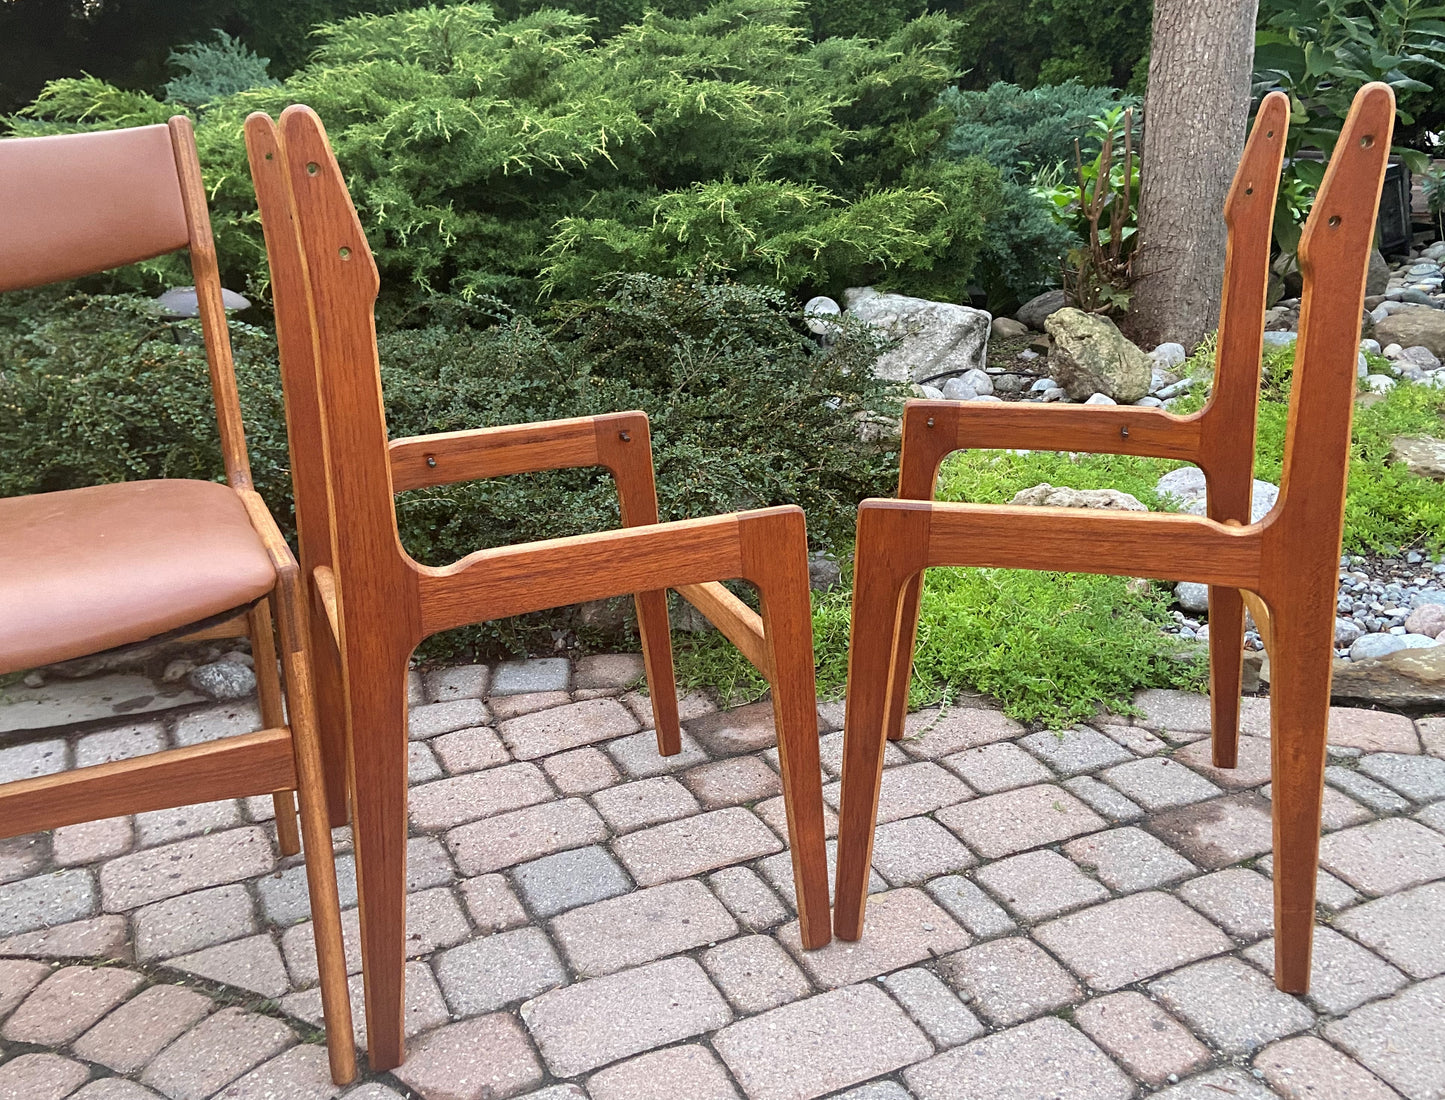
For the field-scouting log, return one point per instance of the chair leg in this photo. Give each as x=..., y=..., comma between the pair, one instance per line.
x=656, y=636
x=900, y=674
x=890, y=550
x=378, y=742
x=330, y=715
x=320, y=865
x=775, y=559
x=273, y=716
x=1226, y=672
x=1299, y=721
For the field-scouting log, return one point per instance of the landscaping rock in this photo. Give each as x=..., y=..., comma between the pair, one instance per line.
x=223, y=680
x=1428, y=619
x=1186, y=485
x=1421, y=454
x=956, y=389
x=1378, y=645
x=1346, y=632
x=1061, y=497
x=1008, y=327
x=1036, y=311
x=1192, y=596
x=1090, y=355
x=1167, y=356
x=934, y=339
x=1406, y=678
x=1377, y=279
x=180, y=301
x=1414, y=328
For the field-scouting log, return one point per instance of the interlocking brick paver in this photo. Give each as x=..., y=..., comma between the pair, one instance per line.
x=741, y=729
x=1077, y=750
x=878, y=1090
x=1001, y=766
x=1160, y=783
x=1136, y=739
x=1432, y=735
x=1252, y=770
x=505, y=707
x=32, y=759
x=1307, y=1068
x=1343, y=974
x=67, y=1003
x=45, y=900
x=131, y=1035
x=641, y=926
x=690, y=705
x=432, y=719
x=226, y=720
x=190, y=922
x=1220, y=1082
x=732, y=782
x=691, y=1071
x=103, y=937
x=1037, y=885
x=457, y=682
x=1375, y=795
x=492, y=905
x=565, y=880
x=1331, y=894
x=638, y=757
x=253, y=963
x=900, y=928
x=774, y=811
x=1053, y=1058
x=1129, y=859
x=1433, y=816
x=1010, y=980
x=1179, y=711
x=449, y=802
x=164, y=826
x=931, y=734
x=424, y=1008
x=119, y=743
x=1386, y=856
x=970, y=906
x=1337, y=809
x=587, y=1025
x=485, y=974
x=748, y=898
x=1232, y=1005
x=285, y=896
x=215, y=1052
x=570, y=727
x=910, y=789
x=1238, y=900
x=1218, y=832
x=1399, y=1039
x=826, y=1043
x=644, y=802
x=1146, y=1040
x=91, y=841
x=933, y=1006
x=916, y=849
x=581, y=771
x=1103, y=799
x=508, y=839
x=1408, y=929
x=1419, y=778
x=40, y=1077
x=1372, y=730
x=185, y=866
x=485, y=1059
x=301, y=1073
x=754, y=973
x=693, y=845
x=609, y=670
x=1014, y=821
x=468, y=750
x=830, y=754
x=21, y=856
x=118, y=1088
x=778, y=870
x=537, y=674
x=17, y=978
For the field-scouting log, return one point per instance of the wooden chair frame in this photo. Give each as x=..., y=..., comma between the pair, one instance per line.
x=378, y=603
x=279, y=759
x=1287, y=561
x=1219, y=438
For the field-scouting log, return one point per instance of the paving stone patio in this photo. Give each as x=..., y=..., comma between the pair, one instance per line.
x=1083, y=916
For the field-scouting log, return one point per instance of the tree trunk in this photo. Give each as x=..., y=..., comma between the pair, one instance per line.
x=1196, y=109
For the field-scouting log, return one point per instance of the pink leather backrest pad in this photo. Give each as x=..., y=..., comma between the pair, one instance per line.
x=74, y=204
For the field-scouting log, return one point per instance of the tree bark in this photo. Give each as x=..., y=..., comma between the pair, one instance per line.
x=1195, y=112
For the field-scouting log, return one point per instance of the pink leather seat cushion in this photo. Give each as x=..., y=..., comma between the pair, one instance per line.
x=88, y=569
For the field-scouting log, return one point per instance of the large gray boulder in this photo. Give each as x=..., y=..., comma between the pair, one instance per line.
x=1421, y=454
x=1186, y=485
x=935, y=339
x=1405, y=678
x=1039, y=309
x=1377, y=279
x=1416, y=326
x=1060, y=496
x=1090, y=355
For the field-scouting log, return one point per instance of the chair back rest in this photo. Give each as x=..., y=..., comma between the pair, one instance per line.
x=77, y=204
x=1249, y=219
x=1334, y=258
x=325, y=283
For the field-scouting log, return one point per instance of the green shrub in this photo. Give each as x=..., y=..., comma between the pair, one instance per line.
x=745, y=410
x=507, y=159
x=213, y=70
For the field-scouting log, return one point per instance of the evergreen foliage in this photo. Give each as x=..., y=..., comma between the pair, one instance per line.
x=215, y=69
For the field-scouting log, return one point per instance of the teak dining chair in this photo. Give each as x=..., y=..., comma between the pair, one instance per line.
x=1219, y=438
x=1286, y=563
x=88, y=570
x=378, y=602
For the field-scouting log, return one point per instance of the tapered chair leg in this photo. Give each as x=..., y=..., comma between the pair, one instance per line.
x=330, y=716
x=774, y=559
x=890, y=551
x=273, y=716
x=901, y=675
x=320, y=861
x=378, y=723
x=1299, y=721
x=652, y=627
x=1226, y=672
